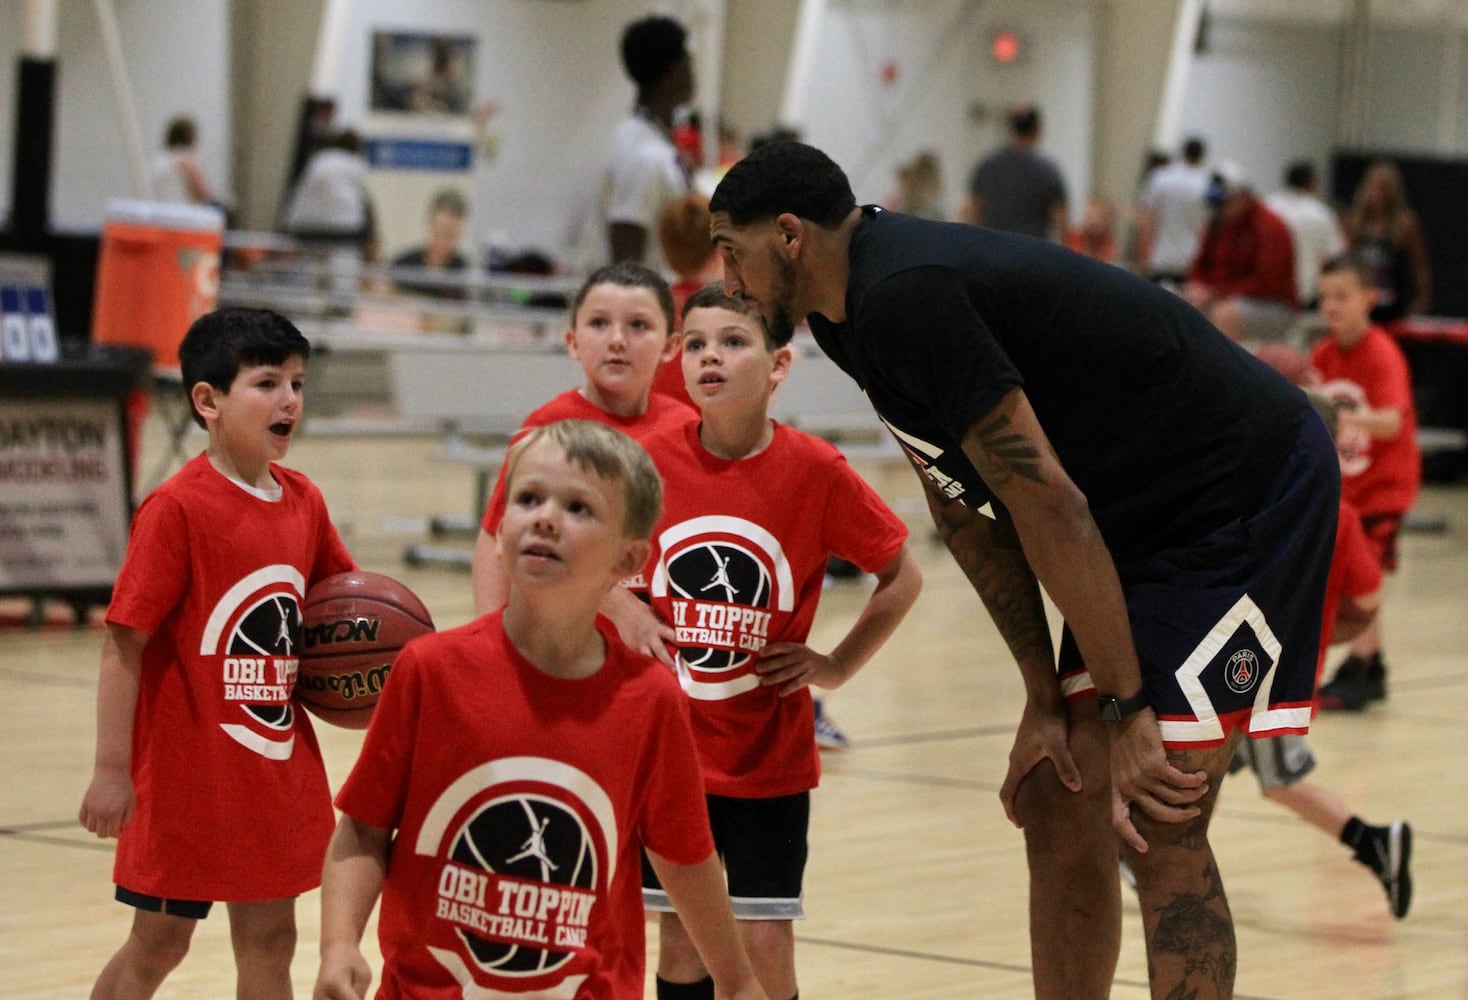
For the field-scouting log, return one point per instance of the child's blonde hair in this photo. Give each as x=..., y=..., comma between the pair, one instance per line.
x=609, y=454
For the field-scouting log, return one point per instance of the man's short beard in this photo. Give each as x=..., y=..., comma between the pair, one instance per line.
x=781, y=324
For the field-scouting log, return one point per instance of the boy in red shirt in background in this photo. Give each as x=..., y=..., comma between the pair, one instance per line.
x=1365, y=373
x=752, y=511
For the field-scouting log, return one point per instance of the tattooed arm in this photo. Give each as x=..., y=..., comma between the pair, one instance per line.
x=1064, y=547
x=989, y=553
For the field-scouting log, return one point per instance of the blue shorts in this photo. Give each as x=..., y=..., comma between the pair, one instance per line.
x=192, y=909
x=763, y=845
x=1227, y=630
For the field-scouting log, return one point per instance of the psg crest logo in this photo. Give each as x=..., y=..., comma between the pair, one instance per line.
x=1242, y=671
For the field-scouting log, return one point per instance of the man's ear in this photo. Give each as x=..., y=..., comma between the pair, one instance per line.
x=789, y=231
x=571, y=343
x=673, y=347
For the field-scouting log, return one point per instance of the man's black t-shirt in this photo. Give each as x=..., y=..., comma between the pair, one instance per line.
x=1169, y=429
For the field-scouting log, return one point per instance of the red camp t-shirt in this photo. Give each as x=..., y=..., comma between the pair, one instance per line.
x=739, y=559
x=232, y=800
x=1377, y=476
x=521, y=802
x=662, y=411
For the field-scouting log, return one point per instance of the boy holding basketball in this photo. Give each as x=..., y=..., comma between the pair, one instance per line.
x=739, y=560
x=207, y=775
x=516, y=765
x=621, y=331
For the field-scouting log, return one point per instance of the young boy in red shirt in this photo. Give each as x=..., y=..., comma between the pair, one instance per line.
x=206, y=773
x=752, y=511
x=516, y=767
x=621, y=330
x=1365, y=373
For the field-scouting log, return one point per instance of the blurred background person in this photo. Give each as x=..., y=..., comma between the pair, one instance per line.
x=1313, y=225
x=1171, y=214
x=919, y=188
x=1243, y=278
x=1017, y=188
x=175, y=171
x=1096, y=235
x=1383, y=230
x=645, y=171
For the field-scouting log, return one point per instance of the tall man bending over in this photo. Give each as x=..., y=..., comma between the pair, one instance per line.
x=1080, y=428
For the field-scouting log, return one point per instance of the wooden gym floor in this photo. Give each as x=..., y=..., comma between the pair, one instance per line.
x=916, y=886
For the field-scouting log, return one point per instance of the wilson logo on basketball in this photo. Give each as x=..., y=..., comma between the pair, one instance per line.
x=347, y=686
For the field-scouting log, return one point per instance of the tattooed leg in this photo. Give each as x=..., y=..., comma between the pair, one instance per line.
x=1191, y=951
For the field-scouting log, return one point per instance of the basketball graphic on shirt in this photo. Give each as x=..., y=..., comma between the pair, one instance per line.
x=539, y=843
x=726, y=577
x=526, y=848
x=718, y=571
x=254, y=634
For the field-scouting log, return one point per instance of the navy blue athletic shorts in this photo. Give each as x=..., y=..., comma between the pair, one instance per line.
x=762, y=843
x=1227, y=630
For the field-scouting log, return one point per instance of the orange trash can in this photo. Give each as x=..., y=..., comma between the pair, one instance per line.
x=158, y=271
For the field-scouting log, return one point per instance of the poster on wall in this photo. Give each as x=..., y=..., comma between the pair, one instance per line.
x=421, y=73
x=421, y=135
x=63, y=494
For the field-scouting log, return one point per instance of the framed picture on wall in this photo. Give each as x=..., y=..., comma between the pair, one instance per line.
x=422, y=73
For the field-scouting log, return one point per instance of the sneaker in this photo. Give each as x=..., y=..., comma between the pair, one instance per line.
x=1356, y=684
x=1390, y=856
x=828, y=735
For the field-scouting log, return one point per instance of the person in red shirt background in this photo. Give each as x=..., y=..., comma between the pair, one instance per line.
x=1363, y=370
x=1243, y=277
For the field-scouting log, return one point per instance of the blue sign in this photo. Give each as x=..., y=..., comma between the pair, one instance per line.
x=419, y=154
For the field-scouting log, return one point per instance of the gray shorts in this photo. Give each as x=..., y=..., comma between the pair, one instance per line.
x=1277, y=761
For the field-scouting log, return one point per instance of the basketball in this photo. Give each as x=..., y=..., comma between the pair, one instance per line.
x=352, y=626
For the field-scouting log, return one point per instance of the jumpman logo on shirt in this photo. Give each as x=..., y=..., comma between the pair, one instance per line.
x=534, y=846
x=721, y=578
x=284, y=639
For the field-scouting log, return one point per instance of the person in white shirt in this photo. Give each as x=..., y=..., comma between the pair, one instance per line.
x=175, y=172
x=1313, y=224
x=1171, y=216
x=644, y=172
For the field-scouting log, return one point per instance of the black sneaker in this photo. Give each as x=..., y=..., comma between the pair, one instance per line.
x=1390, y=856
x=1350, y=690
x=1373, y=685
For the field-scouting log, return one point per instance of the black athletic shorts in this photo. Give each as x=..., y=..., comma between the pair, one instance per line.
x=193, y=909
x=762, y=843
x=1227, y=630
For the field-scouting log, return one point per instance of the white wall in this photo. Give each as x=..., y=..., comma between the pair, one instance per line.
x=949, y=94
x=1265, y=94
x=176, y=56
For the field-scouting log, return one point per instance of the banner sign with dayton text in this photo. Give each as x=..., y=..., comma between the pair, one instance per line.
x=63, y=494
